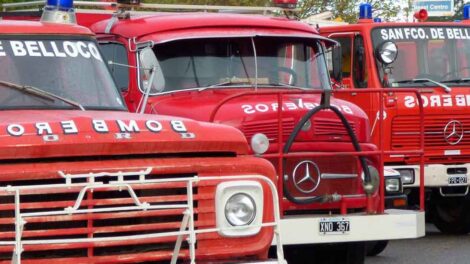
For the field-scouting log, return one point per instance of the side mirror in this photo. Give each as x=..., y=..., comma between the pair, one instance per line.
x=336, y=58
x=149, y=64
x=387, y=52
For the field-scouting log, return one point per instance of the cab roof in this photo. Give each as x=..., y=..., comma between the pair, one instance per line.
x=138, y=26
x=33, y=27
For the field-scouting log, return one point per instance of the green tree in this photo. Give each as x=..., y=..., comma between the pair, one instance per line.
x=211, y=2
x=347, y=10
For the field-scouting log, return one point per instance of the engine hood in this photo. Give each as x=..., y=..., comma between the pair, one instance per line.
x=51, y=133
x=258, y=107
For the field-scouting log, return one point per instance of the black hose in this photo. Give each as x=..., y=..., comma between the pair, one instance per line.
x=292, y=137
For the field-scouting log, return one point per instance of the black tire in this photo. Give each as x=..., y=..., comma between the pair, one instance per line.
x=373, y=248
x=451, y=215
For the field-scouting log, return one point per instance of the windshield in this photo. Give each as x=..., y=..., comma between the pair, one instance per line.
x=226, y=62
x=441, y=54
x=70, y=72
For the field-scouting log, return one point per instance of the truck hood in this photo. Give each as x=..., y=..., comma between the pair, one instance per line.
x=58, y=133
x=258, y=107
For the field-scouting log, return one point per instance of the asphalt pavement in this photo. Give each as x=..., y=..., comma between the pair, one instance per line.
x=435, y=247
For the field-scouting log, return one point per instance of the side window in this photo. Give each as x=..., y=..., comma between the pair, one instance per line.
x=117, y=53
x=345, y=55
x=359, y=63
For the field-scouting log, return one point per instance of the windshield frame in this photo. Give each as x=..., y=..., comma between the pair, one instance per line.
x=325, y=82
x=379, y=66
x=67, y=37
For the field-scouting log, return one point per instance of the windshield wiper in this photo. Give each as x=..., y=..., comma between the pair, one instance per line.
x=426, y=80
x=227, y=83
x=40, y=93
x=282, y=85
x=462, y=80
x=231, y=84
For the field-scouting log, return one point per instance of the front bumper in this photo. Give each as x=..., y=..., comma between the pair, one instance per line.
x=393, y=224
x=435, y=175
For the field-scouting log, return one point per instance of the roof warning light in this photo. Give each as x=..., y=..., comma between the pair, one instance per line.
x=365, y=11
x=421, y=15
x=59, y=11
x=466, y=12
x=60, y=4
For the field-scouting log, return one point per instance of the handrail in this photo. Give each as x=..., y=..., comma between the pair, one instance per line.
x=146, y=6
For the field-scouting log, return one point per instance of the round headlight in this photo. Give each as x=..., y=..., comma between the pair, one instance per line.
x=373, y=185
x=259, y=143
x=240, y=209
x=387, y=52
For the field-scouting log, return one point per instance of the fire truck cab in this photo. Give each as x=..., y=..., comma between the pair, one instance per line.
x=82, y=180
x=266, y=76
x=433, y=57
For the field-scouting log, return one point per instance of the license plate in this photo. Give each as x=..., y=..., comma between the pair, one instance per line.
x=456, y=180
x=331, y=226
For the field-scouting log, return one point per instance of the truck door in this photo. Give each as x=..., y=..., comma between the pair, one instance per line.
x=355, y=69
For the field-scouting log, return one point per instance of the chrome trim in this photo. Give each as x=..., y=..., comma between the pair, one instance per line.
x=345, y=195
x=454, y=194
x=337, y=175
x=457, y=131
x=397, y=156
x=311, y=176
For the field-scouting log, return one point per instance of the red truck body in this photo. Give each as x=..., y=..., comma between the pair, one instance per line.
x=82, y=180
x=433, y=57
x=194, y=51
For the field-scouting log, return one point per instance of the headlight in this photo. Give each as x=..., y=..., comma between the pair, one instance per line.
x=393, y=185
x=373, y=185
x=240, y=209
x=407, y=175
x=239, y=204
x=259, y=143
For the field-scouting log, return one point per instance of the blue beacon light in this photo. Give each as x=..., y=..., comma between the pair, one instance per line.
x=365, y=11
x=59, y=11
x=466, y=12
x=60, y=4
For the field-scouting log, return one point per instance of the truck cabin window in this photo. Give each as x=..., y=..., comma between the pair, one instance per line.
x=33, y=69
x=235, y=62
x=441, y=54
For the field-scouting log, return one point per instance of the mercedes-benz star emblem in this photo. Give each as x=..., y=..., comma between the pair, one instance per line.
x=306, y=176
x=453, y=132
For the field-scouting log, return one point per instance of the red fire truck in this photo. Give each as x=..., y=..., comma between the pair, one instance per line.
x=266, y=76
x=84, y=181
x=433, y=57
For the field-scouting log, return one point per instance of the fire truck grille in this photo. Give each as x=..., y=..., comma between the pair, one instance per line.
x=406, y=132
x=269, y=128
x=323, y=129
x=165, y=200
x=330, y=127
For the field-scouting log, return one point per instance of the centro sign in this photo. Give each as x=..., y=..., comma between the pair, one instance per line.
x=436, y=7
